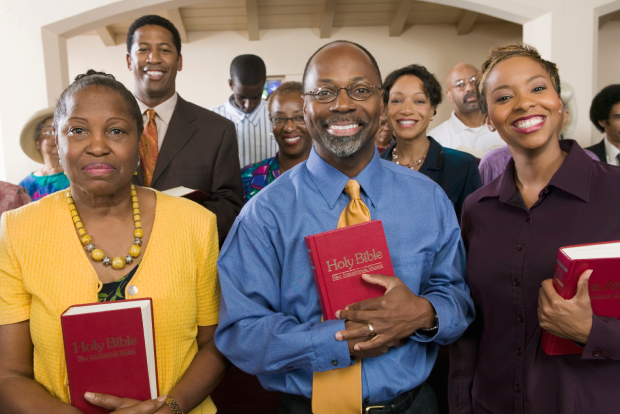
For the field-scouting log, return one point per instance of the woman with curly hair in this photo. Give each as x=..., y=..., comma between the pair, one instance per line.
x=411, y=96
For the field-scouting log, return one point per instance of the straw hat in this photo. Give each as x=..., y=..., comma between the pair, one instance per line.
x=26, y=139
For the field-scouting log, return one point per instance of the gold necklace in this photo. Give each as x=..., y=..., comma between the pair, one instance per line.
x=411, y=166
x=97, y=254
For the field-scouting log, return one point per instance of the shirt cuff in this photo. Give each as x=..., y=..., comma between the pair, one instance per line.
x=604, y=340
x=442, y=316
x=328, y=351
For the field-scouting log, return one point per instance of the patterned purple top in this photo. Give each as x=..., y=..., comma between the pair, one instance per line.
x=12, y=196
x=494, y=162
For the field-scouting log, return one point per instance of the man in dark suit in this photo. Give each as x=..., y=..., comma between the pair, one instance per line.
x=183, y=144
x=605, y=115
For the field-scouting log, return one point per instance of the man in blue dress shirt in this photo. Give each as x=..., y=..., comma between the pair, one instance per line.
x=270, y=317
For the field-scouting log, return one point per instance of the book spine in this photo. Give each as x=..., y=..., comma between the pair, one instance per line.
x=315, y=265
x=562, y=274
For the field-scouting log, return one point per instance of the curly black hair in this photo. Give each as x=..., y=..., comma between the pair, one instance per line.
x=602, y=104
x=155, y=20
x=432, y=87
x=102, y=79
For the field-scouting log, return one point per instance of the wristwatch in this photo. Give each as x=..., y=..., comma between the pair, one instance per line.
x=433, y=329
x=174, y=407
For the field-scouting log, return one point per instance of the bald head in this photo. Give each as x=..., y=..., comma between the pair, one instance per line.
x=461, y=88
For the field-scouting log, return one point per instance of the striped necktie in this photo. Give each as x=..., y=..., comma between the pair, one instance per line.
x=148, y=148
x=340, y=390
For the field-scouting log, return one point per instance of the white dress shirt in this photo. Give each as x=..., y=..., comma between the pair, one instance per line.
x=612, y=152
x=162, y=118
x=454, y=133
x=255, y=143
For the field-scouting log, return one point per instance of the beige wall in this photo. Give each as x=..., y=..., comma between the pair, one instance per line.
x=608, y=62
x=207, y=57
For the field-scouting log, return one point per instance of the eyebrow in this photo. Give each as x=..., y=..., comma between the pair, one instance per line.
x=354, y=79
x=528, y=81
x=158, y=44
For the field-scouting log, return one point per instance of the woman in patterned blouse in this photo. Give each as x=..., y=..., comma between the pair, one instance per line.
x=289, y=130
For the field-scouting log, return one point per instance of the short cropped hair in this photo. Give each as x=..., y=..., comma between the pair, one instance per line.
x=248, y=70
x=101, y=79
x=432, y=87
x=154, y=20
x=502, y=53
x=286, y=87
x=602, y=104
x=375, y=66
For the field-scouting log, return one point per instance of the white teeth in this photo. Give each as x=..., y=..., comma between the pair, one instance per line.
x=529, y=122
x=293, y=139
x=154, y=73
x=343, y=127
x=407, y=122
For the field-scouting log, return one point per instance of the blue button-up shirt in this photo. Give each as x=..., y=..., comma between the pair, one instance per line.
x=270, y=317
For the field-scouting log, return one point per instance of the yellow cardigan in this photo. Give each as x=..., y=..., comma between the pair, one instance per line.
x=44, y=270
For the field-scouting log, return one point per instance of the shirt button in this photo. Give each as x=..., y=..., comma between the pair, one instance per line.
x=519, y=351
x=520, y=247
x=334, y=362
x=597, y=353
x=516, y=282
x=529, y=217
x=132, y=290
x=520, y=318
x=517, y=388
x=289, y=368
x=546, y=190
x=366, y=400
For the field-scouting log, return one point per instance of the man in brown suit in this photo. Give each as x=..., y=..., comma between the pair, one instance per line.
x=183, y=144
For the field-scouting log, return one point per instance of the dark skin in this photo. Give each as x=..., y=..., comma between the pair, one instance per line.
x=518, y=88
x=98, y=145
x=154, y=62
x=246, y=97
x=399, y=312
x=293, y=139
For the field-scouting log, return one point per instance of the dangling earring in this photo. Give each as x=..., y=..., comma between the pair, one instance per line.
x=492, y=128
x=272, y=136
x=560, y=112
x=138, y=166
x=59, y=161
x=432, y=117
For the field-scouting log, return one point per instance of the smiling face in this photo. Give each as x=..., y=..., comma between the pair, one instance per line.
x=246, y=97
x=345, y=126
x=47, y=141
x=523, y=105
x=98, y=141
x=384, y=133
x=461, y=88
x=409, y=110
x=154, y=61
x=293, y=138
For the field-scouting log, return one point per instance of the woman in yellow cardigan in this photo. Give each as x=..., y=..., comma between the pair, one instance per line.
x=102, y=239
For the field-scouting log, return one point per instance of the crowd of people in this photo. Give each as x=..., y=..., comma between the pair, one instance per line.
x=474, y=213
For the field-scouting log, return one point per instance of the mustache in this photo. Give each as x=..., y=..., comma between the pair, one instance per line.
x=468, y=95
x=326, y=122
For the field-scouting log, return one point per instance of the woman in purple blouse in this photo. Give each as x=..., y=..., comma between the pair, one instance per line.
x=552, y=194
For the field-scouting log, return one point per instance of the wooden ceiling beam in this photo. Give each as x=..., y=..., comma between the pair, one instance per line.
x=466, y=22
x=174, y=15
x=251, y=9
x=107, y=35
x=397, y=22
x=327, y=19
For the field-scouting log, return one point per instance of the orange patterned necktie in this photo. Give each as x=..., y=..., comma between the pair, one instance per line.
x=148, y=148
x=340, y=390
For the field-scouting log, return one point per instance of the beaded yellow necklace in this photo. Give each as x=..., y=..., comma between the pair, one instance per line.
x=97, y=254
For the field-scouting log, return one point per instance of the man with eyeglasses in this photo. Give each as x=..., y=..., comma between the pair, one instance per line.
x=376, y=355
x=465, y=129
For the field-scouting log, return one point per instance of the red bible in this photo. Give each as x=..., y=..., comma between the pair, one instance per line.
x=604, y=285
x=110, y=349
x=194, y=195
x=340, y=257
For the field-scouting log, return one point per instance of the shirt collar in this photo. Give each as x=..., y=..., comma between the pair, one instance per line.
x=331, y=182
x=239, y=115
x=573, y=176
x=610, y=150
x=164, y=110
x=458, y=126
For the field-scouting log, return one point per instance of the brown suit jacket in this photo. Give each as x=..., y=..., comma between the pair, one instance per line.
x=200, y=152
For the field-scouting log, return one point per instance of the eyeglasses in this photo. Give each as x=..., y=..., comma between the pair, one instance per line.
x=48, y=131
x=329, y=93
x=461, y=83
x=282, y=120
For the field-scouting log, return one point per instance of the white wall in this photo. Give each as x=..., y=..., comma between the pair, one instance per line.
x=206, y=59
x=608, y=62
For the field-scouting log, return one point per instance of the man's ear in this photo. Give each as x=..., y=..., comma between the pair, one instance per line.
x=604, y=124
x=449, y=95
x=382, y=107
x=180, y=60
x=128, y=61
x=230, y=83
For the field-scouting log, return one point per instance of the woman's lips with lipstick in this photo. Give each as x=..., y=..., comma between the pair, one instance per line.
x=98, y=168
x=529, y=124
